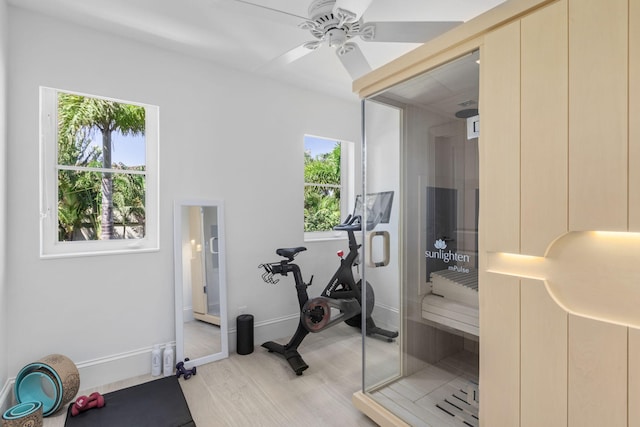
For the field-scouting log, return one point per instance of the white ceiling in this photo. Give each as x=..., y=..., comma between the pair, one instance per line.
x=252, y=36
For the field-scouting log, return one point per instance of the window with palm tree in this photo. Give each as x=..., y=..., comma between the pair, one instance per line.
x=103, y=183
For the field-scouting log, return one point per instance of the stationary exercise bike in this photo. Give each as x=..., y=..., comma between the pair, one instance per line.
x=341, y=299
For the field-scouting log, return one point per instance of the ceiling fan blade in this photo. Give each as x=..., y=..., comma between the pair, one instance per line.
x=288, y=57
x=405, y=32
x=357, y=7
x=353, y=60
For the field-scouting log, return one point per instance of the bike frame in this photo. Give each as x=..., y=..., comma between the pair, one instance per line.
x=342, y=292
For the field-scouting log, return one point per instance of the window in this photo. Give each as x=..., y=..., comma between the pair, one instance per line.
x=328, y=185
x=99, y=175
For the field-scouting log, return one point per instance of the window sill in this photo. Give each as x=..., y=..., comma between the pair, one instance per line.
x=325, y=237
x=124, y=251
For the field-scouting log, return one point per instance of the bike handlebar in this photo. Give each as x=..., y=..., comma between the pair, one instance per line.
x=352, y=223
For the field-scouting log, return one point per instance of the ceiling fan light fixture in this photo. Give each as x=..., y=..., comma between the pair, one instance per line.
x=336, y=37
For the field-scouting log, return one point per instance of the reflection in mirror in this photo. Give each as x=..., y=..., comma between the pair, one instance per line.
x=201, y=319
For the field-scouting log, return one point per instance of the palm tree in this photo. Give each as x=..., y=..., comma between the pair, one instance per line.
x=78, y=115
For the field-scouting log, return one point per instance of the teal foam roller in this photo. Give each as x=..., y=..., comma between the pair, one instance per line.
x=53, y=380
x=32, y=373
x=26, y=414
x=37, y=386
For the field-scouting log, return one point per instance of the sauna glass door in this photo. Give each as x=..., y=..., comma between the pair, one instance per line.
x=382, y=242
x=421, y=142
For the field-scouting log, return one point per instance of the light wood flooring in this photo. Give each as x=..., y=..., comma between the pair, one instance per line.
x=260, y=389
x=201, y=339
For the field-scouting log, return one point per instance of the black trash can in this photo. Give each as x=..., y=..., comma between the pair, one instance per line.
x=244, y=334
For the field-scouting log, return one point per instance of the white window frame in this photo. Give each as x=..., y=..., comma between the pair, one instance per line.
x=50, y=247
x=347, y=189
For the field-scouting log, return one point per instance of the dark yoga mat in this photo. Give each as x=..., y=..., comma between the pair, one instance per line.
x=158, y=403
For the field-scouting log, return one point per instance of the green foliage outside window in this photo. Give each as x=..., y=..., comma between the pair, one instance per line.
x=322, y=190
x=97, y=204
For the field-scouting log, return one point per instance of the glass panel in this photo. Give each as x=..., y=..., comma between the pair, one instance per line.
x=382, y=272
x=127, y=151
x=322, y=177
x=424, y=134
x=80, y=204
x=98, y=132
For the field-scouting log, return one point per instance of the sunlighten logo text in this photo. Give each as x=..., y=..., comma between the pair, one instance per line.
x=446, y=257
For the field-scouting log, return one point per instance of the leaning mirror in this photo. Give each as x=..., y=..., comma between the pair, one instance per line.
x=200, y=285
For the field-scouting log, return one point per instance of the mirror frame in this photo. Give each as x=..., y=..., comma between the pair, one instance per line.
x=179, y=285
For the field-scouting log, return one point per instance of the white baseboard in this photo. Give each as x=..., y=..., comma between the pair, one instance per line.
x=187, y=314
x=98, y=372
x=284, y=327
x=117, y=367
x=280, y=327
x=114, y=368
x=6, y=396
x=386, y=317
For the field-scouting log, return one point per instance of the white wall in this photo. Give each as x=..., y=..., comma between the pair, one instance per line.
x=224, y=135
x=3, y=197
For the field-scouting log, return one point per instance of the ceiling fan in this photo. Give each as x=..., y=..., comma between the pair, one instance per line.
x=338, y=22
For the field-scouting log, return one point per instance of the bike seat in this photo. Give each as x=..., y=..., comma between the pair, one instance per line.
x=290, y=252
